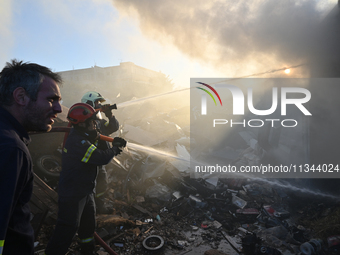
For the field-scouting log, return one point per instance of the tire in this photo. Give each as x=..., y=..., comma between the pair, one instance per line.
x=49, y=166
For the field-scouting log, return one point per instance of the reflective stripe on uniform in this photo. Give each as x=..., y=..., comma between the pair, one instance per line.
x=106, y=124
x=86, y=240
x=65, y=150
x=88, y=153
x=100, y=194
x=1, y=245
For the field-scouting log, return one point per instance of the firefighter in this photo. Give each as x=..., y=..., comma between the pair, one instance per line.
x=106, y=128
x=80, y=160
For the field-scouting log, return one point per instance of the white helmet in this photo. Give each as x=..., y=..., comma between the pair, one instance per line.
x=91, y=97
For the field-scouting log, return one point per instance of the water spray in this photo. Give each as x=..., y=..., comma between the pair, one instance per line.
x=129, y=145
x=243, y=175
x=136, y=101
x=297, y=189
x=143, y=148
x=268, y=181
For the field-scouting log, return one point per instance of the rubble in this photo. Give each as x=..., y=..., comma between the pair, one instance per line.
x=159, y=209
x=193, y=220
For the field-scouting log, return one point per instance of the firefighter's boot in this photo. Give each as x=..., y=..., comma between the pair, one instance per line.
x=88, y=248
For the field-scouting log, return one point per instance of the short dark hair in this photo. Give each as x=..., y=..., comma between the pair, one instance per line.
x=26, y=75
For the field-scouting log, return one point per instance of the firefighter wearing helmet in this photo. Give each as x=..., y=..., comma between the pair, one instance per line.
x=104, y=127
x=81, y=159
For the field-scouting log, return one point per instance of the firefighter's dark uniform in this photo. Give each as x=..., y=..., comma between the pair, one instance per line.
x=105, y=128
x=16, y=185
x=80, y=161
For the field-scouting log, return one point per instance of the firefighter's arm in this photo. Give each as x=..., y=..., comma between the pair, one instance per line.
x=9, y=162
x=108, y=127
x=89, y=153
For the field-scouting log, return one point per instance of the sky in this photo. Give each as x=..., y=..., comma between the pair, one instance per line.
x=182, y=39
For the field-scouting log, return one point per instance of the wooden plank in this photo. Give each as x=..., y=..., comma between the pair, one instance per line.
x=39, y=210
x=233, y=244
x=41, y=185
x=141, y=209
x=44, y=199
x=39, y=205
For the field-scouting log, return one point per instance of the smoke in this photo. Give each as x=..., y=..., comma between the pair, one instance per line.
x=240, y=35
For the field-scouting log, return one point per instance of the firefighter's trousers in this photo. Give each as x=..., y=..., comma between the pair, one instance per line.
x=76, y=214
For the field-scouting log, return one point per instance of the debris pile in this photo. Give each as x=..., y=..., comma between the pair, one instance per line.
x=158, y=209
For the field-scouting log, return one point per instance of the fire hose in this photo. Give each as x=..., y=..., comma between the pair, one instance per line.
x=104, y=244
x=68, y=129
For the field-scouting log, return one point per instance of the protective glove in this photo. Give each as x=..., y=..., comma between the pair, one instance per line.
x=116, y=150
x=118, y=142
x=107, y=111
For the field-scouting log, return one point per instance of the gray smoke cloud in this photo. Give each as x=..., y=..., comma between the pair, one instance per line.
x=258, y=32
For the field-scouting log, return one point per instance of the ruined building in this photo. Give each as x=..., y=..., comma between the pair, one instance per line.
x=121, y=82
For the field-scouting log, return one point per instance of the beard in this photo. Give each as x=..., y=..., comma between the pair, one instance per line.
x=36, y=118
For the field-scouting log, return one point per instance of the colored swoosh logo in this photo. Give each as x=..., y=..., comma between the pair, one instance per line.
x=213, y=90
